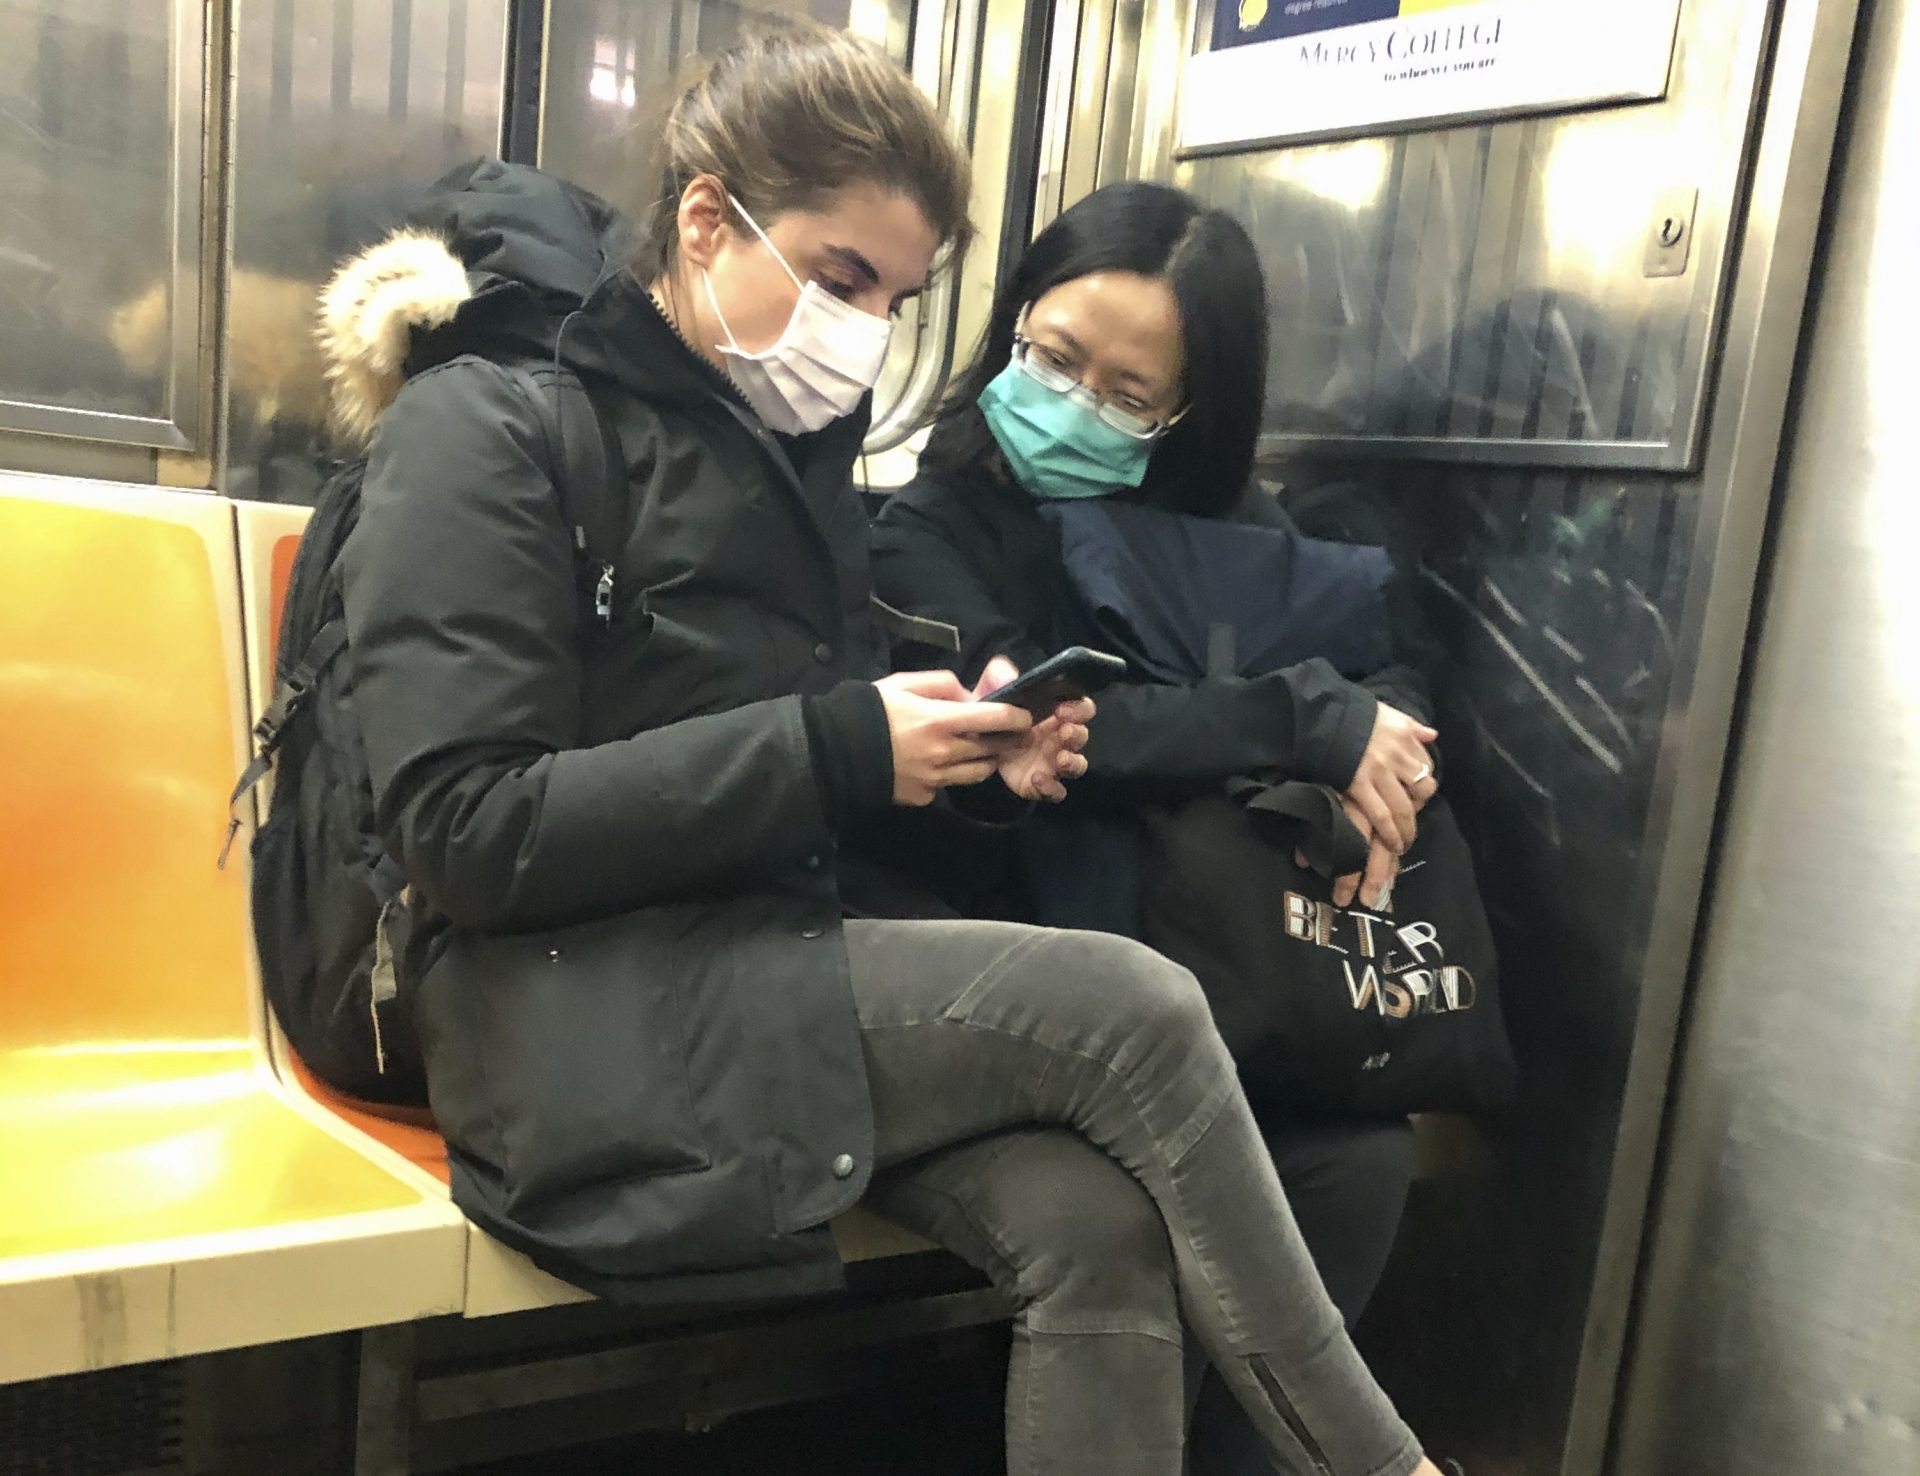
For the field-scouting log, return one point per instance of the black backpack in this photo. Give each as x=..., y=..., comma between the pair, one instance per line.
x=330, y=914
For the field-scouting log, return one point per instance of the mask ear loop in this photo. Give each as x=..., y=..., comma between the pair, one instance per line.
x=766, y=241
x=706, y=277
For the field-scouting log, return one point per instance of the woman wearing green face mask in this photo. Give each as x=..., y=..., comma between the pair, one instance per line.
x=1062, y=436
x=1126, y=358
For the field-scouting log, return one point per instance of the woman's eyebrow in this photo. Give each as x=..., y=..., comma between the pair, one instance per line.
x=1078, y=350
x=1067, y=341
x=854, y=262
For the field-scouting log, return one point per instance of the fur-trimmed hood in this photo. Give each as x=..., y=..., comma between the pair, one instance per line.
x=494, y=260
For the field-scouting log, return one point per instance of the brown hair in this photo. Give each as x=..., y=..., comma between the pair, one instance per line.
x=791, y=115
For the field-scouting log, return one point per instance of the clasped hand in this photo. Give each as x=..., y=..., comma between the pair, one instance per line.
x=1390, y=787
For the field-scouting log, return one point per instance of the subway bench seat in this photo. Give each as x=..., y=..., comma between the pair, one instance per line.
x=162, y=1191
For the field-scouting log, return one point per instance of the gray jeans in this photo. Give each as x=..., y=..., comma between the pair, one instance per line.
x=1347, y=1184
x=974, y=1027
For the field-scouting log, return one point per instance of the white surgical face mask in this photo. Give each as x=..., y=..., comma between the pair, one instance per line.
x=827, y=357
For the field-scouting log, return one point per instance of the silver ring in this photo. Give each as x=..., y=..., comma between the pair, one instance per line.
x=1425, y=770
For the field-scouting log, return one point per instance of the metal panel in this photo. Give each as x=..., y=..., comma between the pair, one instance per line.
x=1100, y=89
x=1780, y=1318
x=1094, y=68
x=344, y=110
x=1553, y=215
x=1481, y=293
x=1589, y=630
x=1012, y=39
x=102, y=137
x=945, y=61
x=614, y=67
x=1586, y=625
x=1586, y=630
x=1063, y=48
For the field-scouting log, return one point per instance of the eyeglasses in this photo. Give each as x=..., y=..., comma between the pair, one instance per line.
x=1046, y=368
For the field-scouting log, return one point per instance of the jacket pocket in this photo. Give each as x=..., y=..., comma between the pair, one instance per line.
x=584, y=1051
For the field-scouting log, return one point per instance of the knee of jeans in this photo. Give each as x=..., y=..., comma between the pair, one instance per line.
x=1157, y=993
x=1097, y=1256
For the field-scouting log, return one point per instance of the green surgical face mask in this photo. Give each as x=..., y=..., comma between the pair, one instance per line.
x=1055, y=443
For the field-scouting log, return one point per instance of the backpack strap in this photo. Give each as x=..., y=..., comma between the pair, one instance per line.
x=1222, y=652
x=321, y=652
x=589, y=478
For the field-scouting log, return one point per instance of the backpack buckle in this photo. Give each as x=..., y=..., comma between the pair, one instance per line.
x=267, y=730
x=286, y=703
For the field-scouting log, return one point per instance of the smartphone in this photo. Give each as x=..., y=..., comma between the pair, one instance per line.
x=1073, y=673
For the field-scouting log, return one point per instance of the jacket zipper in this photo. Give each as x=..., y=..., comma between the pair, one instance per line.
x=715, y=377
x=727, y=394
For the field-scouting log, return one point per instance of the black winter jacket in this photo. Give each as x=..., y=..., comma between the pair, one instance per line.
x=973, y=550
x=623, y=844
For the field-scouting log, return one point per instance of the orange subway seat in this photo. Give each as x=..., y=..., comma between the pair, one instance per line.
x=408, y=1131
x=138, y=1126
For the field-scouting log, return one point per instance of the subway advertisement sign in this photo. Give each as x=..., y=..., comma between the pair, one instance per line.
x=1278, y=71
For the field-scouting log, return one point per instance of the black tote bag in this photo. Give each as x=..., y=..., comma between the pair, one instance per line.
x=1348, y=1010
x=1326, y=1009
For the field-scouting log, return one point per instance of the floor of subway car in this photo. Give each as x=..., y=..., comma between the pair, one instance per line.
x=946, y=1425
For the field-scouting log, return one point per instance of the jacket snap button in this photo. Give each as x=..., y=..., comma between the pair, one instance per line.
x=823, y=653
x=843, y=1166
x=812, y=863
x=553, y=955
x=813, y=932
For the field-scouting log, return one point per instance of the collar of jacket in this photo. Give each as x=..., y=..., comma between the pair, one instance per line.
x=623, y=336
x=503, y=259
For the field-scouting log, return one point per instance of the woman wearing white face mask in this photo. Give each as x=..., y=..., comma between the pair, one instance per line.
x=823, y=364
x=670, y=1027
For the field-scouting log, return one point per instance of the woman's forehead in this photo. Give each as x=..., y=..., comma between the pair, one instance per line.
x=1124, y=316
x=879, y=235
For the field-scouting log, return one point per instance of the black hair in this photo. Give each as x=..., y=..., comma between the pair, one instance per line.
x=1203, y=464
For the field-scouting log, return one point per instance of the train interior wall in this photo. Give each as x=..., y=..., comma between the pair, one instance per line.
x=1575, y=463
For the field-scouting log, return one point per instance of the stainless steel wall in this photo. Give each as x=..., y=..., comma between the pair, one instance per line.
x=1586, y=626
x=1562, y=602
x=1482, y=291
x=1477, y=293
x=613, y=67
x=1779, y=1327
